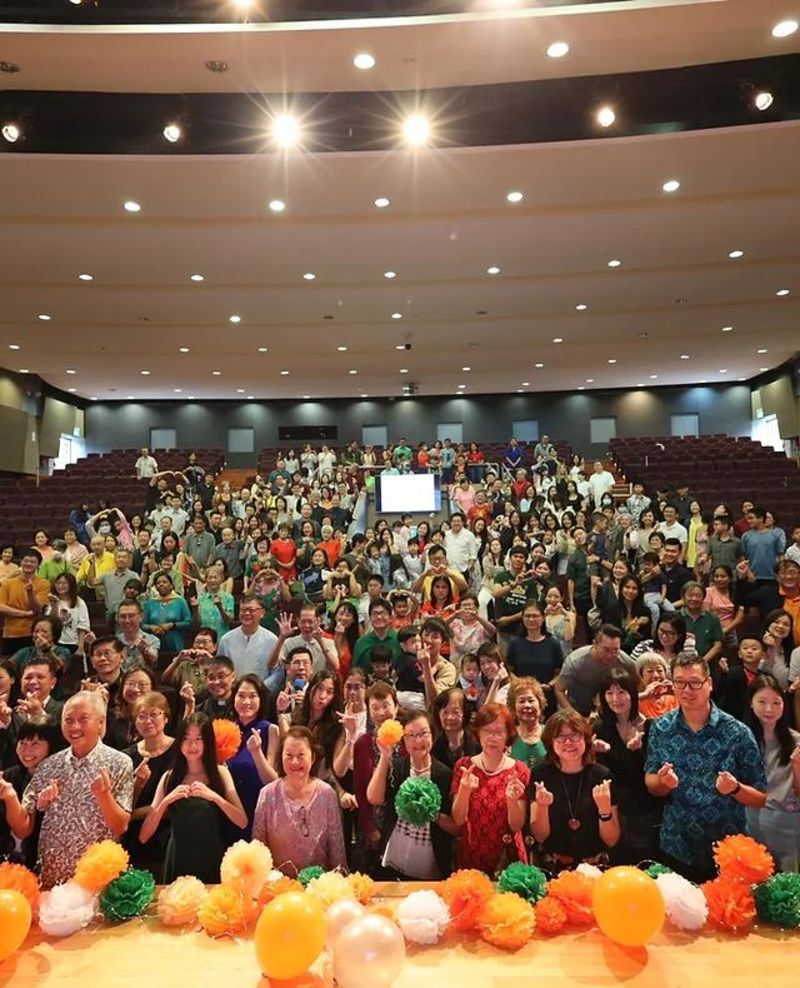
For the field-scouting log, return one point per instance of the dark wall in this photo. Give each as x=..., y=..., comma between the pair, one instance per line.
x=485, y=418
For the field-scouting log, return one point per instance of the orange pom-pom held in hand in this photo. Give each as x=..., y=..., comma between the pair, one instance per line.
x=21, y=879
x=100, y=864
x=228, y=739
x=390, y=733
x=575, y=892
x=506, y=920
x=551, y=917
x=224, y=911
x=731, y=905
x=465, y=892
x=743, y=859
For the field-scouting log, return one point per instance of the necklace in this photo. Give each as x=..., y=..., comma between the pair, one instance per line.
x=424, y=770
x=573, y=822
x=496, y=771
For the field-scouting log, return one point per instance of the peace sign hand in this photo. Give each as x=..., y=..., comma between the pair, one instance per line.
x=542, y=795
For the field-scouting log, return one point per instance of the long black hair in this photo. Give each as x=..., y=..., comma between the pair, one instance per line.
x=327, y=729
x=179, y=766
x=783, y=734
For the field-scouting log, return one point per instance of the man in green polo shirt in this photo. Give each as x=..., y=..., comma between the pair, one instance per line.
x=380, y=615
x=704, y=625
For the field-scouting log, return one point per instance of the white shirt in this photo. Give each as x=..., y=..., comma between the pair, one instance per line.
x=326, y=462
x=600, y=484
x=793, y=553
x=146, y=466
x=461, y=549
x=675, y=531
x=248, y=654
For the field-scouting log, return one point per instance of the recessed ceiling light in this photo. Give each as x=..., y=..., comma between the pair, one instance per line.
x=581, y=387
x=341, y=348
x=144, y=373
x=352, y=372
x=654, y=377
x=416, y=130
x=277, y=205
x=558, y=49
x=764, y=100
x=466, y=369
x=13, y=346
x=461, y=387
x=309, y=276
x=382, y=202
x=262, y=349
x=365, y=396
x=763, y=369
x=762, y=349
x=86, y=277
x=590, y=380
x=240, y=391
x=684, y=356
x=558, y=339
x=131, y=206
x=581, y=307
x=284, y=373
x=172, y=133
x=519, y=391
x=723, y=370
x=24, y=370
x=72, y=390
x=493, y=270
x=216, y=373
x=515, y=196
x=183, y=349
x=612, y=360
x=539, y=366
x=782, y=292
x=44, y=317
x=363, y=60
x=93, y=398
x=251, y=397
x=671, y=185
x=191, y=397
x=614, y=263
x=71, y=370
x=177, y=391
x=735, y=254
x=234, y=319
x=397, y=315
x=525, y=384
x=606, y=116
x=390, y=274
x=727, y=329
x=197, y=277
x=11, y=132
x=404, y=370
x=784, y=28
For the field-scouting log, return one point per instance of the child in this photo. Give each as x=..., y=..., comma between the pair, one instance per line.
x=381, y=659
x=735, y=682
x=408, y=672
x=469, y=680
x=654, y=589
x=402, y=609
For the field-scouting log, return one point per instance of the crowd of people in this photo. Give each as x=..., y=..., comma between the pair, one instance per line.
x=584, y=675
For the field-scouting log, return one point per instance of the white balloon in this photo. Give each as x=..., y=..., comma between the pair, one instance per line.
x=369, y=953
x=338, y=915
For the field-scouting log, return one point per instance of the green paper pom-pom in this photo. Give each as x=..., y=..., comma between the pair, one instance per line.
x=418, y=801
x=526, y=881
x=778, y=900
x=309, y=874
x=129, y=895
x=657, y=869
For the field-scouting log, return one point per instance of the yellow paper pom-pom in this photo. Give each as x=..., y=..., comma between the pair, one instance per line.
x=390, y=733
x=731, y=905
x=22, y=880
x=100, y=864
x=272, y=889
x=330, y=888
x=507, y=921
x=246, y=866
x=224, y=911
x=551, y=917
x=575, y=892
x=362, y=887
x=227, y=737
x=179, y=902
x=743, y=859
x=465, y=892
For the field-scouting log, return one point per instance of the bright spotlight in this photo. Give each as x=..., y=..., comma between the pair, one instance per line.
x=11, y=133
x=172, y=133
x=416, y=130
x=606, y=116
x=285, y=130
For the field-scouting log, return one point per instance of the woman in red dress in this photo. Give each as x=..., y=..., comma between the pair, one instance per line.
x=284, y=551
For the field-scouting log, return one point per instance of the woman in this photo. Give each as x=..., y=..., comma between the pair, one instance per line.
x=72, y=612
x=253, y=765
x=121, y=729
x=151, y=757
x=777, y=641
x=345, y=635
x=559, y=620
x=197, y=795
x=627, y=611
x=656, y=695
x=527, y=705
x=297, y=815
x=257, y=561
x=698, y=534
x=41, y=542
x=341, y=584
x=320, y=712
x=777, y=825
x=475, y=461
x=535, y=653
x=489, y=796
x=670, y=640
x=621, y=744
x=9, y=691
x=514, y=527
x=719, y=600
x=573, y=814
x=168, y=615
x=284, y=550
x=312, y=578
x=605, y=593
x=468, y=630
x=8, y=568
x=462, y=496
x=640, y=536
x=408, y=851
x=442, y=603
x=450, y=720
x=214, y=608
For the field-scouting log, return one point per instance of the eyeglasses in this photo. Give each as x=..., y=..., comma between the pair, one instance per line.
x=493, y=734
x=249, y=610
x=568, y=738
x=689, y=684
x=419, y=736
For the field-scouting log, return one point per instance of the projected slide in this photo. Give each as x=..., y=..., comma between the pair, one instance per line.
x=408, y=492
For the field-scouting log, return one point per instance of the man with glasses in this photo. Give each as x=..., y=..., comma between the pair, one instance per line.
x=587, y=667
x=249, y=646
x=707, y=767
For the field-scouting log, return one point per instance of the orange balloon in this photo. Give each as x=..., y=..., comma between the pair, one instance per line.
x=628, y=906
x=15, y=921
x=290, y=935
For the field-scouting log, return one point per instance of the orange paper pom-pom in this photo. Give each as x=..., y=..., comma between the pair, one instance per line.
x=551, y=917
x=465, y=892
x=100, y=864
x=178, y=903
x=363, y=887
x=271, y=890
x=731, y=905
x=575, y=892
x=507, y=921
x=743, y=859
x=22, y=880
x=390, y=733
x=224, y=911
x=228, y=739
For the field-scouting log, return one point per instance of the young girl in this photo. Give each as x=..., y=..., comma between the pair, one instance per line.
x=559, y=621
x=719, y=601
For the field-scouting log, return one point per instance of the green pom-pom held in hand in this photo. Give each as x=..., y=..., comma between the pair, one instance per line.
x=524, y=880
x=129, y=895
x=418, y=801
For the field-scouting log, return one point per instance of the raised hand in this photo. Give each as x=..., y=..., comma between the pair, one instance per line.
x=5, y=715
x=286, y=626
x=254, y=741
x=469, y=781
x=542, y=795
x=599, y=746
x=179, y=792
x=348, y=801
x=349, y=720
x=726, y=783
x=47, y=796
x=283, y=701
x=142, y=773
x=101, y=785
x=601, y=794
x=6, y=789
x=515, y=790
x=634, y=742
x=30, y=707
x=667, y=776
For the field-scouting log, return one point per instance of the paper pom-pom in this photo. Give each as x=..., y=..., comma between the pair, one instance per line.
x=277, y=886
x=129, y=895
x=178, y=903
x=330, y=888
x=418, y=801
x=308, y=874
x=551, y=917
x=574, y=891
x=224, y=911
x=731, y=905
x=423, y=917
x=22, y=880
x=507, y=921
x=227, y=737
x=685, y=903
x=590, y=870
x=100, y=864
x=362, y=887
x=465, y=892
x=66, y=909
x=390, y=733
x=656, y=869
x=778, y=900
x=524, y=880
x=743, y=859
x=246, y=866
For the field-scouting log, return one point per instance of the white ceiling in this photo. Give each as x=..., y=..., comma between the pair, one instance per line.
x=585, y=203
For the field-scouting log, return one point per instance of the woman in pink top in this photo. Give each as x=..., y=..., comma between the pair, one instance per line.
x=719, y=600
x=298, y=815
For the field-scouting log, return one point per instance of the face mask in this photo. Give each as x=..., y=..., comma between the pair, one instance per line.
x=104, y=529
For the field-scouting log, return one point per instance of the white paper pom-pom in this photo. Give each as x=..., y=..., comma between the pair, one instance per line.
x=590, y=870
x=66, y=909
x=685, y=903
x=423, y=917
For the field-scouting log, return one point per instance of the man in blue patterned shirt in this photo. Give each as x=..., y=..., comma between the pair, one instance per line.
x=707, y=766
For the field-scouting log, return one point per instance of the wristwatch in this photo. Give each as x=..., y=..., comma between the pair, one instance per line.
x=604, y=817
x=734, y=791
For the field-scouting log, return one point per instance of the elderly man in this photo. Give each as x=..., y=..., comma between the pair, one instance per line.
x=249, y=646
x=95, y=565
x=85, y=792
x=586, y=668
x=139, y=646
x=601, y=482
x=146, y=465
x=307, y=633
x=113, y=582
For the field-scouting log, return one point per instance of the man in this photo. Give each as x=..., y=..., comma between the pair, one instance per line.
x=229, y=550
x=56, y=565
x=199, y=544
x=22, y=600
x=106, y=657
x=437, y=566
x=215, y=527
x=703, y=624
x=113, y=583
x=460, y=546
x=512, y=589
x=793, y=552
x=681, y=501
x=190, y=665
x=95, y=565
x=671, y=528
x=402, y=453
x=707, y=767
x=579, y=584
x=217, y=699
x=786, y=597
x=139, y=647
x=673, y=574
x=380, y=617
x=310, y=636
x=586, y=668
x=601, y=482
x=762, y=548
x=637, y=503
x=85, y=792
x=544, y=449
x=306, y=514
x=438, y=674
x=447, y=459
x=207, y=490
x=142, y=550
x=177, y=514
x=297, y=673
x=46, y=633
x=249, y=646
x=146, y=466
x=37, y=704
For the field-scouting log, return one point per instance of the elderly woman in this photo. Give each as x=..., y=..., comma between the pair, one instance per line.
x=656, y=696
x=527, y=704
x=573, y=814
x=297, y=815
x=489, y=796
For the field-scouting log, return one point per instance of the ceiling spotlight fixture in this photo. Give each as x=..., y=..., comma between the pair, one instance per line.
x=71, y=370
x=131, y=206
x=197, y=277
x=539, y=366
x=762, y=349
x=654, y=377
x=183, y=349
x=525, y=384
x=364, y=61
x=172, y=133
x=581, y=307
x=216, y=373
x=262, y=349
x=763, y=369
x=86, y=277
x=723, y=370
x=404, y=370
x=243, y=4
x=672, y=185
x=240, y=391
x=558, y=49
x=612, y=360
x=342, y=348
x=284, y=373
x=684, y=356
x=11, y=132
x=493, y=270
x=177, y=391
x=25, y=370
x=402, y=346
x=763, y=100
x=558, y=339
x=352, y=372
x=44, y=317
x=390, y=274
x=734, y=255
x=13, y=346
x=382, y=202
x=277, y=205
x=466, y=369
x=234, y=319
x=72, y=390
x=606, y=116
x=285, y=130
x=784, y=28
x=461, y=387
x=399, y=315
x=614, y=263
x=590, y=380
x=416, y=130
x=515, y=196
x=782, y=292
x=309, y=276
x=145, y=373
x=727, y=329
